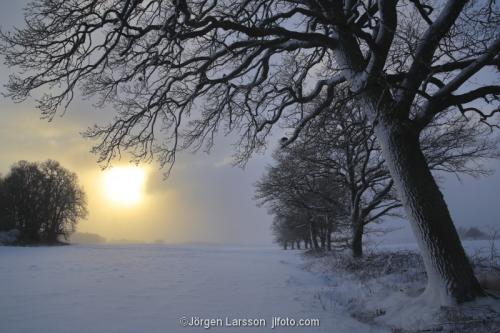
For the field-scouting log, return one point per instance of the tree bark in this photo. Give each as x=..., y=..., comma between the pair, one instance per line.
x=451, y=279
x=329, y=238
x=357, y=239
x=314, y=238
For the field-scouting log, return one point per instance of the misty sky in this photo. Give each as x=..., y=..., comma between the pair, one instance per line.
x=204, y=200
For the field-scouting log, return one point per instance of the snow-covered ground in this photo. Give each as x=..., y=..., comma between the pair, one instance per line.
x=149, y=288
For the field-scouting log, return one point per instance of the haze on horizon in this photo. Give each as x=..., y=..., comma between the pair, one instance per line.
x=204, y=200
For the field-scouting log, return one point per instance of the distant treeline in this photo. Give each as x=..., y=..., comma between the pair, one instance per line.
x=474, y=233
x=40, y=202
x=86, y=238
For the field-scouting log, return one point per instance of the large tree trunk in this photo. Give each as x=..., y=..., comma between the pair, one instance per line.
x=314, y=238
x=450, y=275
x=451, y=279
x=329, y=239
x=357, y=239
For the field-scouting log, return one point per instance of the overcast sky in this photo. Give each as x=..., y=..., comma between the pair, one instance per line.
x=204, y=200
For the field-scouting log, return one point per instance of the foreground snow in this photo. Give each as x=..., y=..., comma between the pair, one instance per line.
x=147, y=288
x=386, y=289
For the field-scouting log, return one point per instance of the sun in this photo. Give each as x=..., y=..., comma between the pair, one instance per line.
x=124, y=185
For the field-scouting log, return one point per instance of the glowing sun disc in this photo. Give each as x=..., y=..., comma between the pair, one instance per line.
x=124, y=185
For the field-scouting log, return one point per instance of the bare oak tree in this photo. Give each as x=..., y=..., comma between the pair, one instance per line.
x=179, y=71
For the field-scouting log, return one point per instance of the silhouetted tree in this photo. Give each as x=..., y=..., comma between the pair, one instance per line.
x=65, y=201
x=43, y=200
x=6, y=220
x=246, y=66
x=23, y=186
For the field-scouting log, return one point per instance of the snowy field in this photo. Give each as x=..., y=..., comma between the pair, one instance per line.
x=149, y=288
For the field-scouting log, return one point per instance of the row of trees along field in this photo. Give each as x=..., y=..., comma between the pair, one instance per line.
x=43, y=201
x=179, y=72
x=332, y=181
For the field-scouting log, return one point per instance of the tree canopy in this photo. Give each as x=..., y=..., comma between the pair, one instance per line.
x=42, y=200
x=177, y=72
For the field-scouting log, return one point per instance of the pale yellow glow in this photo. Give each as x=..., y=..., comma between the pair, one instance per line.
x=124, y=185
